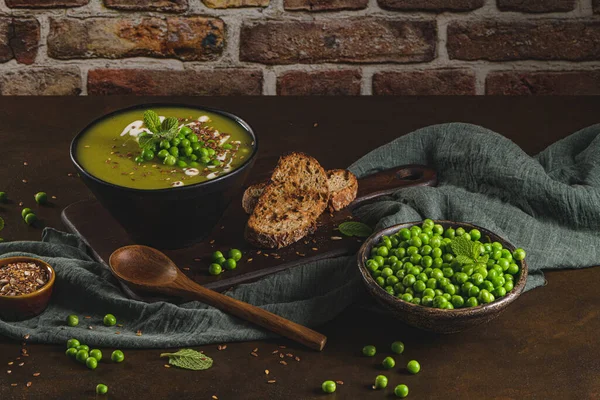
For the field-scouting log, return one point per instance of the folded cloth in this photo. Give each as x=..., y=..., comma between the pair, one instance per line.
x=547, y=204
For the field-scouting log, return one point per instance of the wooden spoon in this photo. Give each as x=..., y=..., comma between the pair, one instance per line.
x=148, y=269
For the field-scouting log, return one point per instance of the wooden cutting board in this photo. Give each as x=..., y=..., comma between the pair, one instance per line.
x=95, y=226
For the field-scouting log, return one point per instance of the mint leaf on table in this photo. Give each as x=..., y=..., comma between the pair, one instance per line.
x=189, y=359
x=152, y=121
x=354, y=228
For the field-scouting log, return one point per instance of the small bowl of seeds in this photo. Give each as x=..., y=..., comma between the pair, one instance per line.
x=25, y=287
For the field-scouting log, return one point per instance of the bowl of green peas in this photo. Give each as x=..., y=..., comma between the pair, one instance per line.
x=442, y=276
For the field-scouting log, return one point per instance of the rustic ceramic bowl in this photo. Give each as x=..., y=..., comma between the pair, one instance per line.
x=193, y=209
x=435, y=319
x=16, y=308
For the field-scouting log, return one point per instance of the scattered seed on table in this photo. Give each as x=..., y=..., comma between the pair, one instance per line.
x=90, y=327
x=281, y=355
x=290, y=355
x=282, y=362
x=314, y=249
x=336, y=238
x=258, y=252
x=185, y=268
x=11, y=363
x=282, y=347
x=254, y=354
x=117, y=333
x=25, y=163
x=215, y=397
x=138, y=333
x=24, y=181
x=266, y=372
x=13, y=384
x=27, y=336
x=197, y=259
x=9, y=372
x=339, y=382
x=87, y=317
x=255, y=350
x=212, y=241
x=275, y=352
x=250, y=259
x=28, y=384
x=269, y=381
x=167, y=366
x=21, y=364
x=36, y=374
x=297, y=358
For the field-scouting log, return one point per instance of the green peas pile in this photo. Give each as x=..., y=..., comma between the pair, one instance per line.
x=219, y=262
x=90, y=358
x=184, y=150
x=418, y=265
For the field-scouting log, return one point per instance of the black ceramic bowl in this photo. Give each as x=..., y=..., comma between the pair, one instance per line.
x=435, y=319
x=173, y=217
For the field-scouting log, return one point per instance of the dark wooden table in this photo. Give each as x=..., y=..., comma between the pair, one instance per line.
x=544, y=347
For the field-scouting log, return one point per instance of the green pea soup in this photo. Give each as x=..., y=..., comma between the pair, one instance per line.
x=108, y=149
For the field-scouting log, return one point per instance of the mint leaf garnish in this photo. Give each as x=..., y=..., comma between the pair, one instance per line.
x=189, y=359
x=354, y=228
x=484, y=258
x=466, y=251
x=169, y=124
x=463, y=259
x=152, y=121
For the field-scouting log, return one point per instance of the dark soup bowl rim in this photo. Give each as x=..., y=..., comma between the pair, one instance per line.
x=494, y=306
x=211, y=182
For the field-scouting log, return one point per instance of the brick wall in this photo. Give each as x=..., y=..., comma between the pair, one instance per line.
x=297, y=47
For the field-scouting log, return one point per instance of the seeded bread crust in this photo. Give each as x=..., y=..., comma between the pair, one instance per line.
x=343, y=186
x=291, y=202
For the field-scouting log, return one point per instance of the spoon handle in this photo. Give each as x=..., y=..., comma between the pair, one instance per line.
x=185, y=287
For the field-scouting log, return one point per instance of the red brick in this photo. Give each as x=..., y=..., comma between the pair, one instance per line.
x=41, y=81
x=431, y=5
x=422, y=83
x=148, y=5
x=217, y=82
x=235, y=3
x=324, y=5
x=320, y=83
x=185, y=38
x=574, y=40
x=45, y=3
x=349, y=40
x=543, y=83
x=19, y=39
x=536, y=6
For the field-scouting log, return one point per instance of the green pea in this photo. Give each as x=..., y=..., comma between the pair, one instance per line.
x=388, y=363
x=72, y=343
x=181, y=164
x=508, y=286
x=380, y=281
x=230, y=264
x=194, y=164
x=83, y=347
x=185, y=130
x=328, y=386
x=101, y=389
x=369, y=351
x=472, y=302
x=147, y=154
x=72, y=320
x=407, y=297
x=71, y=352
x=211, y=152
x=82, y=356
x=192, y=138
x=381, y=382
x=413, y=367
x=117, y=356
x=512, y=269
x=3, y=197
x=30, y=218
x=196, y=147
x=187, y=151
x=227, y=146
x=170, y=160
x=139, y=159
x=91, y=363
x=174, y=151
x=215, y=269
x=165, y=144
x=97, y=354
x=401, y=391
x=185, y=143
x=519, y=254
x=163, y=153
x=41, y=198
x=175, y=142
x=398, y=347
x=109, y=320
x=25, y=212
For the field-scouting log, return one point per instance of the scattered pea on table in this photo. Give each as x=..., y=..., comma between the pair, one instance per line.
x=413, y=367
x=71, y=352
x=73, y=343
x=215, y=269
x=97, y=354
x=91, y=363
x=101, y=389
x=401, y=391
x=3, y=197
x=369, y=351
x=41, y=198
x=117, y=356
x=398, y=347
x=328, y=386
x=388, y=363
x=72, y=320
x=82, y=356
x=381, y=382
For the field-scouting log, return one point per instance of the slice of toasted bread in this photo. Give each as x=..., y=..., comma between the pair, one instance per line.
x=342, y=186
x=288, y=208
